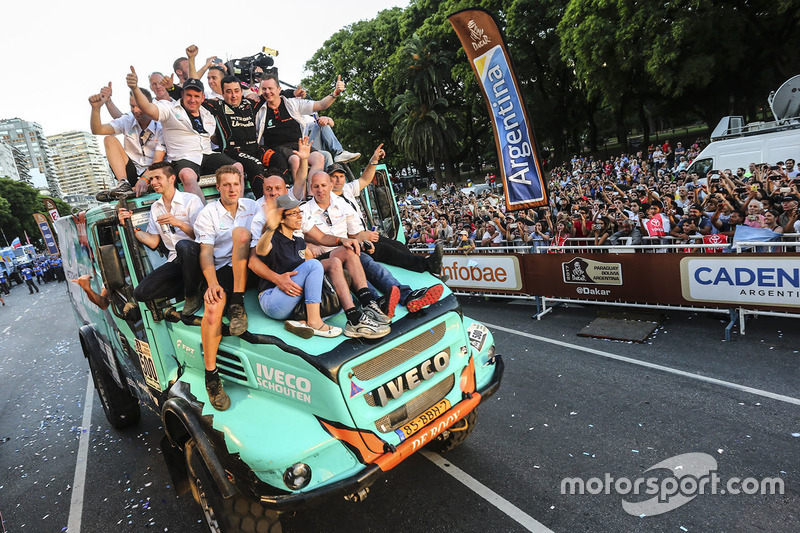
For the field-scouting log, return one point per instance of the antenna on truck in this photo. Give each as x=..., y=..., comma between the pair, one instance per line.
x=785, y=102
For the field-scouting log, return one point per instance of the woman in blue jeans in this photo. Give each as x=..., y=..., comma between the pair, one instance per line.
x=283, y=252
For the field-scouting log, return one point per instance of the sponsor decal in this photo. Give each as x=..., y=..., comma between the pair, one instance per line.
x=477, y=333
x=148, y=366
x=180, y=345
x=280, y=382
x=355, y=389
x=587, y=271
x=393, y=389
x=486, y=272
x=772, y=281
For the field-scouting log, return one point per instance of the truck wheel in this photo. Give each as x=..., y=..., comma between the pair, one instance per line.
x=456, y=434
x=120, y=406
x=232, y=515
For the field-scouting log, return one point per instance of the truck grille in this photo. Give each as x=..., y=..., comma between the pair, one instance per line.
x=416, y=406
x=397, y=356
x=231, y=366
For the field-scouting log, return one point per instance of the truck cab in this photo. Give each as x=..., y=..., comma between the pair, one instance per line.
x=311, y=419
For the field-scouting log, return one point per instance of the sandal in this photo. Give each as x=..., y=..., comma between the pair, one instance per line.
x=301, y=329
x=331, y=332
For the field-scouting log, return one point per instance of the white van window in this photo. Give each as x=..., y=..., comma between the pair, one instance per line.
x=702, y=166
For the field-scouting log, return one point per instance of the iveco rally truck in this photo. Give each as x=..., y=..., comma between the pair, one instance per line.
x=310, y=420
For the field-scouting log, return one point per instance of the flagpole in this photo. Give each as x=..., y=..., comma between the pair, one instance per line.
x=4, y=237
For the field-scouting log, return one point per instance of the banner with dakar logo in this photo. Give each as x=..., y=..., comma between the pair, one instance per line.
x=520, y=169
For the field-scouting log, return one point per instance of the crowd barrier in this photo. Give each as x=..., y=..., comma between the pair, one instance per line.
x=687, y=277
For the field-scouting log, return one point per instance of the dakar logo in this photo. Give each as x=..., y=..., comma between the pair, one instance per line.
x=580, y=270
x=479, y=39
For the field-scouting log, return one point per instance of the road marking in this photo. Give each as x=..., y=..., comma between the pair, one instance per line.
x=698, y=377
x=78, y=483
x=514, y=512
x=8, y=328
x=17, y=319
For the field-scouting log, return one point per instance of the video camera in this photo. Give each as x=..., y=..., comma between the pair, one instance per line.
x=249, y=69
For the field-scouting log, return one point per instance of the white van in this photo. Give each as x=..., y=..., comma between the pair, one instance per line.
x=733, y=147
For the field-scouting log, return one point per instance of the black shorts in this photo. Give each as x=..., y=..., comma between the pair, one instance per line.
x=131, y=173
x=211, y=162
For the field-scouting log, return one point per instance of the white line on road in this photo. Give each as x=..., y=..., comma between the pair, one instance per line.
x=6, y=330
x=698, y=377
x=514, y=512
x=17, y=319
x=76, y=505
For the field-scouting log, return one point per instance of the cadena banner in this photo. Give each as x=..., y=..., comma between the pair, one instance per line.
x=486, y=50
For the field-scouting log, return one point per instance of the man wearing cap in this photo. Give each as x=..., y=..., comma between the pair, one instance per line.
x=693, y=223
x=385, y=250
x=789, y=204
x=187, y=130
x=142, y=144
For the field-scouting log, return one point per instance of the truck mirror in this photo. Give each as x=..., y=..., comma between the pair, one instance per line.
x=111, y=268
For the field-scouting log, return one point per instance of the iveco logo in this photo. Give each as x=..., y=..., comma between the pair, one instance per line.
x=411, y=379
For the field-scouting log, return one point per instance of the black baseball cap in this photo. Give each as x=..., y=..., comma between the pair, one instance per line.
x=193, y=83
x=336, y=167
x=789, y=198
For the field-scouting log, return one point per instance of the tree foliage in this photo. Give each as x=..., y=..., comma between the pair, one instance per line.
x=589, y=70
x=18, y=203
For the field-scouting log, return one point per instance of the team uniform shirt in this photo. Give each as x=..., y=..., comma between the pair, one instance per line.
x=185, y=207
x=658, y=226
x=212, y=95
x=283, y=126
x=140, y=145
x=180, y=137
x=214, y=226
x=260, y=220
x=236, y=125
x=285, y=256
x=343, y=219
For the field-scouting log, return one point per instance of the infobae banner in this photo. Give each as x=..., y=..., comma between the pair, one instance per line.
x=486, y=50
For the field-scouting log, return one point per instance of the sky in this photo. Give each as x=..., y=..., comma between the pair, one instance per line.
x=62, y=52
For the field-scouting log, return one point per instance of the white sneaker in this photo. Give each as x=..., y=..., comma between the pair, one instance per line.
x=346, y=157
x=374, y=312
x=367, y=328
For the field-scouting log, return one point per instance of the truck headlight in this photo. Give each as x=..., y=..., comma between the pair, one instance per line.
x=297, y=476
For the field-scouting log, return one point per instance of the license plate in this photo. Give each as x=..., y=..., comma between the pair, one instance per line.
x=408, y=429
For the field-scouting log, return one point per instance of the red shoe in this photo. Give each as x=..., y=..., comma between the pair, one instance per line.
x=391, y=302
x=421, y=298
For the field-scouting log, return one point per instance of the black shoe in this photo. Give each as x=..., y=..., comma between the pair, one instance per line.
x=434, y=260
x=217, y=395
x=423, y=298
x=192, y=305
x=238, y=318
x=388, y=302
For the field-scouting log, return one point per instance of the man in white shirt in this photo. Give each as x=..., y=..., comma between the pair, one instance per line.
x=171, y=221
x=142, y=145
x=223, y=230
x=188, y=128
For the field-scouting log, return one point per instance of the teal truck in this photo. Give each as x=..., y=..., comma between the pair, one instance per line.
x=311, y=420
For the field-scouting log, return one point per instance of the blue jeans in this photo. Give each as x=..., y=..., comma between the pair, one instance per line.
x=381, y=278
x=278, y=305
x=325, y=141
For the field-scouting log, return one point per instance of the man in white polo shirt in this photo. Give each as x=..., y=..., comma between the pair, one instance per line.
x=142, y=144
x=188, y=128
x=223, y=230
x=171, y=221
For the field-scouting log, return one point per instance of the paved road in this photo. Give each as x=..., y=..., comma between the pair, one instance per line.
x=569, y=407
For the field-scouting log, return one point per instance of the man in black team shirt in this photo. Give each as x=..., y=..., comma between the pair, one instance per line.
x=279, y=122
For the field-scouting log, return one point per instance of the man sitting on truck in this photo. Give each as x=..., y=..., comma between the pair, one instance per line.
x=187, y=130
x=223, y=230
x=171, y=221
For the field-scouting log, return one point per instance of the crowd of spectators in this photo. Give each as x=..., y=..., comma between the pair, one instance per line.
x=650, y=197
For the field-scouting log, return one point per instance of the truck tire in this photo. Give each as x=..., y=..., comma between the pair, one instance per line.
x=120, y=406
x=232, y=515
x=456, y=434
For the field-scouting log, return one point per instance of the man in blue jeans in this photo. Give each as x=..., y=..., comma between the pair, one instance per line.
x=334, y=216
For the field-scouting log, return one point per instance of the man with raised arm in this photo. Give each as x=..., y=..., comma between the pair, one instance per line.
x=142, y=145
x=187, y=128
x=223, y=230
x=280, y=121
x=171, y=222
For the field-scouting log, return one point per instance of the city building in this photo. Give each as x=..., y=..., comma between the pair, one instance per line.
x=8, y=167
x=80, y=164
x=28, y=138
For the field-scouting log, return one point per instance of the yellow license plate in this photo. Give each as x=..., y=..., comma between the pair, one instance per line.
x=423, y=420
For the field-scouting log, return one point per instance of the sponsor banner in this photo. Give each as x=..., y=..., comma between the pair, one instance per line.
x=488, y=56
x=742, y=280
x=52, y=210
x=483, y=272
x=47, y=235
x=580, y=270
